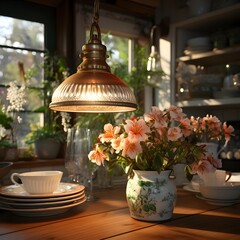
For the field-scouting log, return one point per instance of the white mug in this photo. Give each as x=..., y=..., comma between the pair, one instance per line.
x=217, y=178
x=38, y=182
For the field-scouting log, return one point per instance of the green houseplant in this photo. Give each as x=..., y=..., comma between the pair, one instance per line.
x=47, y=139
x=5, y=126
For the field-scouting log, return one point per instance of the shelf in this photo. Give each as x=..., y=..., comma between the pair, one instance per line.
x=38, y=163
x=210, y=20
x=217, y=56
x=208, y=102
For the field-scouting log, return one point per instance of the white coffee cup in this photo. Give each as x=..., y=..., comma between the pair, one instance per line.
x=216, y=178
x=38, y=182
x=222, y=176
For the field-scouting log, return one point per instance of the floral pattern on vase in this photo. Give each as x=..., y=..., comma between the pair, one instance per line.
x=151, y=196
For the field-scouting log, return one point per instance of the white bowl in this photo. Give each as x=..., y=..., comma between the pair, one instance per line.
x=228, y=191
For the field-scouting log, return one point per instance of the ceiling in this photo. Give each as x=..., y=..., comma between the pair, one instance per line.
x=137, y=8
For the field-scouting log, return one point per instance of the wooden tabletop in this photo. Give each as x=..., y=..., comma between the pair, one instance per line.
x=108, y=218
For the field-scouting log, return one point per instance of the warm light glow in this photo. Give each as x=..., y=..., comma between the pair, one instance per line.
x=93, y=88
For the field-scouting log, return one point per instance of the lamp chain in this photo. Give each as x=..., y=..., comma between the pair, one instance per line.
x=96, y=11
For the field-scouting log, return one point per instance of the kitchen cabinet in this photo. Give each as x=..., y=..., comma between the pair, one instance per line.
x=210, y=62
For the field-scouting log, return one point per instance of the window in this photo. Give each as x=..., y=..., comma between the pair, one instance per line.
x=25, y=34
x=21, y=47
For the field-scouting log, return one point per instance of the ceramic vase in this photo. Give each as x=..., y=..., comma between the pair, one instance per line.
x=151, y=196
x=179, y=173
x=211, y=148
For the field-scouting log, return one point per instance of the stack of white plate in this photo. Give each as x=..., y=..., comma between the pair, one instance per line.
x=17, y=200
x=198, y=45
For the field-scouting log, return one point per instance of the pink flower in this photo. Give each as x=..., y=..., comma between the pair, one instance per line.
x=186, y=127
x=97, y=156
x=209, y=128
x=109, y=133
x=117, y=143
x=131, y=148
x=157, y=116
x=137, y=129
x=203, y=166
x=217, y=163
x=176, y=113
x=228, y=131
x=174, y=133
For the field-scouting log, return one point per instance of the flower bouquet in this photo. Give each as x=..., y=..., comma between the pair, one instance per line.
x=155, y=141
x=210, y=128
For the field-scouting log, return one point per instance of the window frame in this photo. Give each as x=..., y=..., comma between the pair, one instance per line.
x=33, y=12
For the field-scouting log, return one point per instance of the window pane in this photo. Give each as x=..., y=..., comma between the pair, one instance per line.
x=33, y=100
x=117, y=49
x=20, y=33
x=9, y=71
x=24, y=128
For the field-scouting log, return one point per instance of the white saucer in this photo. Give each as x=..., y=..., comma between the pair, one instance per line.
x=218, y=202
x=63, y=190
x=189, y=187
x=39, y=200
x=16, y=204
x=42, y=212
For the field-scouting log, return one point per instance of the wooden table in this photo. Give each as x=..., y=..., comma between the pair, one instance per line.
x=108, y=218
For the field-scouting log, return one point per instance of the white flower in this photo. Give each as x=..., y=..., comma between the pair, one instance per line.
x=16, y=97
x=66, y=118
x=3, y=132
x=19, y=119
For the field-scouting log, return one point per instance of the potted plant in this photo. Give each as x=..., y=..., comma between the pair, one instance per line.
x=47, y=141
x=209, y=131
x=147, y=147
x=5, y=134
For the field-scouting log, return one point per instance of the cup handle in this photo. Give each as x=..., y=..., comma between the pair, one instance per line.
x=13, y=180
x=229, y=176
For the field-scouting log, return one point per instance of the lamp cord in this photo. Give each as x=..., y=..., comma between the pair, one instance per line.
x=154, y=27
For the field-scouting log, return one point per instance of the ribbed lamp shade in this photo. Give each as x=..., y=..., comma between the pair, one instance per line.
x=93, y=91
x=93, y=88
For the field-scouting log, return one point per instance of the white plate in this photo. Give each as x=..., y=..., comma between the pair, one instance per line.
x=42, y=212
x=41, y=204
x=63, y=190
x=189, y=187
x=235, y=177
x=39, y=200
x=218, y=202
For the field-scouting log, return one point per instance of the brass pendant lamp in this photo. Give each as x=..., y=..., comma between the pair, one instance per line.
x=93, y=88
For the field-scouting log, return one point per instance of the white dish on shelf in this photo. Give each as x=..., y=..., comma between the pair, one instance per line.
x=218, y=202
x=63, y=190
